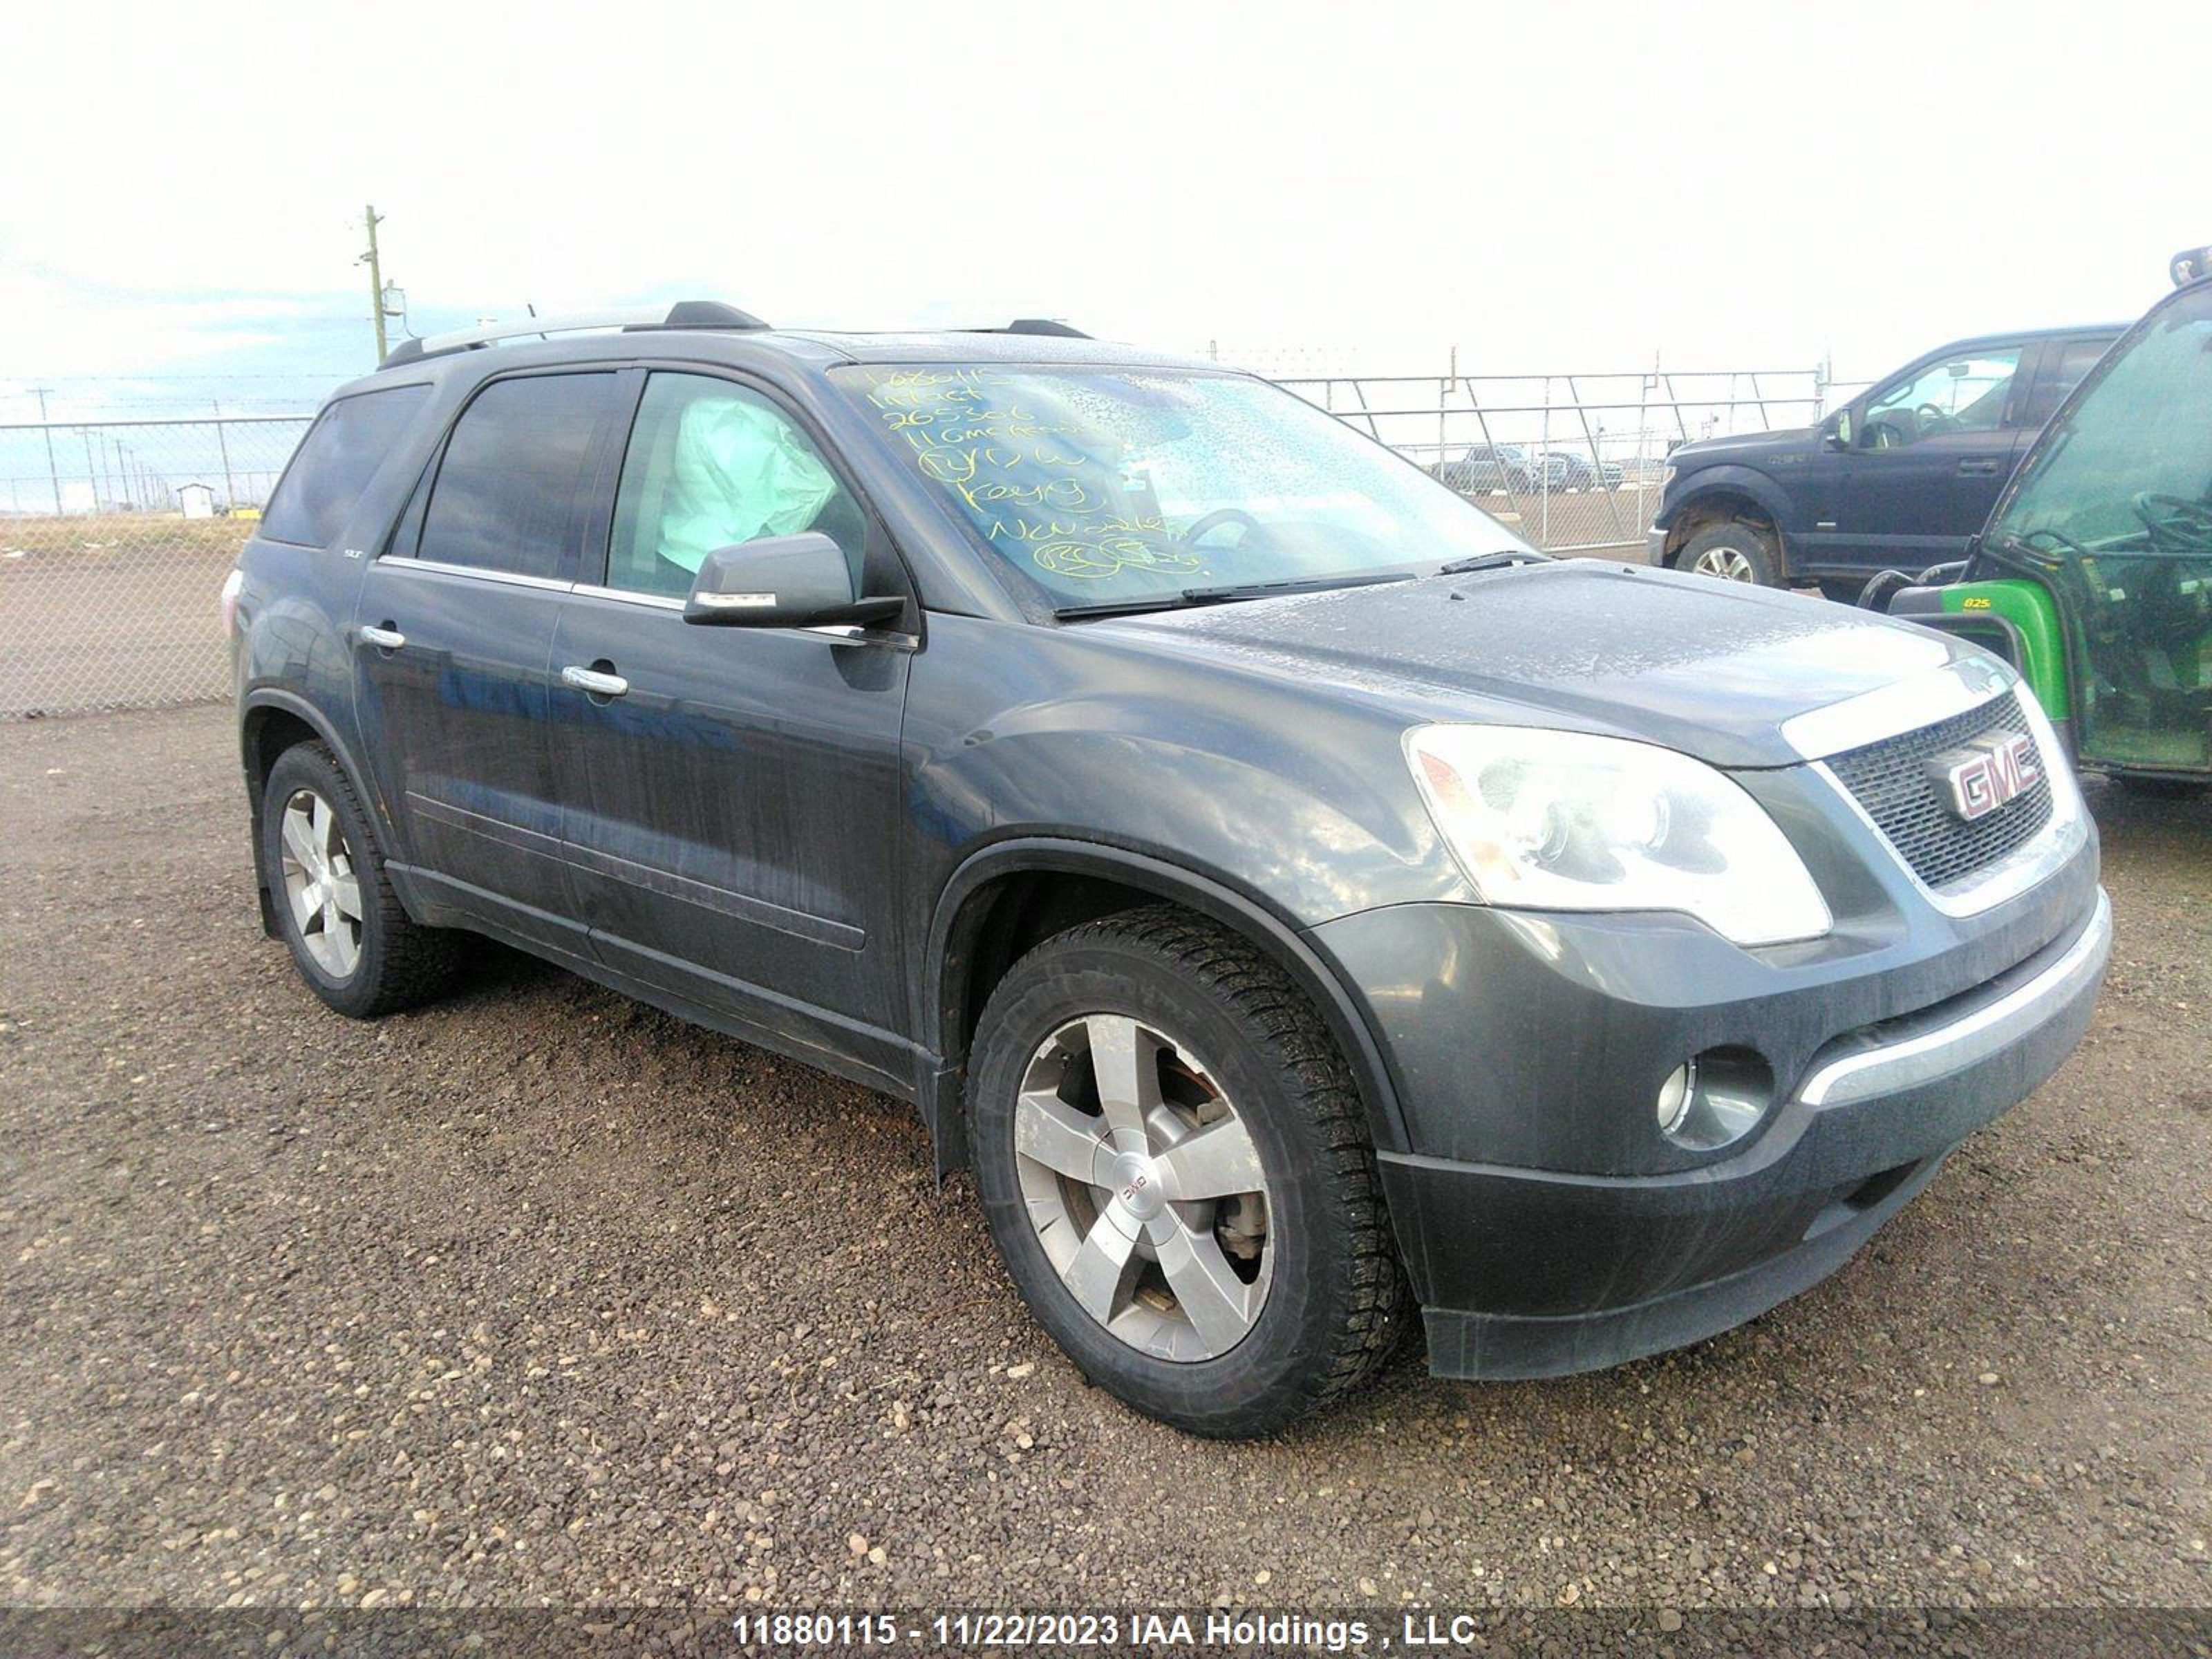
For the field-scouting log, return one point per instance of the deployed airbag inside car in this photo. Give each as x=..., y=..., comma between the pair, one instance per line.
x=741, y=471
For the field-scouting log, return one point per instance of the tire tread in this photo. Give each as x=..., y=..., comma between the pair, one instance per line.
x=1321, y=1087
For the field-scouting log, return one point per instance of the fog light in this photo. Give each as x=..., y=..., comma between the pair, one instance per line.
x=1713, y=1098
x=1675, y=1096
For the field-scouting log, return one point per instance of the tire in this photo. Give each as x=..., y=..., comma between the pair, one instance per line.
x=1733, y=551
x=315, y=834
x=1313, y=1298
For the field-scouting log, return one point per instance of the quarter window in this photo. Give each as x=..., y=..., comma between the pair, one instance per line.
x=2063, y=366
x=712, y=464
x=1966, y=393
x=509, y=492
x=338, y=458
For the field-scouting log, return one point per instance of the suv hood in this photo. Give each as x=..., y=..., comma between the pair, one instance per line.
x=1710, y=668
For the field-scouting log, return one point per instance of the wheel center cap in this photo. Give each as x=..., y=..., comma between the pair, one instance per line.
x=1137, y=1183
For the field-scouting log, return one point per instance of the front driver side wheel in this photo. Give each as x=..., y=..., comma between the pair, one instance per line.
x=1173, y=1162
x=1733, y=551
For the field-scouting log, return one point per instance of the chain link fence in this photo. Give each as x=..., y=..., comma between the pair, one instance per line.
x=1573, y=463
x=114, y=536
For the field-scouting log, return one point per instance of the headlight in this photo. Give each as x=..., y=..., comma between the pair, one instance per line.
x=1666, y=477
x=1565, y=821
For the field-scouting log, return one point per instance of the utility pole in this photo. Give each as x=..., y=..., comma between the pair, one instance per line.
x=53, y=472
x=375, y=281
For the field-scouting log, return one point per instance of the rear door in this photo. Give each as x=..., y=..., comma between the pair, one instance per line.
x=1929, y=451
x=734, y=805
x=454, y=633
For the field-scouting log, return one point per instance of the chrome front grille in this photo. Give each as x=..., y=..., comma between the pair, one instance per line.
x=1893, y=783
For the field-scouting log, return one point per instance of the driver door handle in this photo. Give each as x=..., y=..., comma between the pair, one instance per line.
x=384, y=639
x=590, y=680
x=1979, y=466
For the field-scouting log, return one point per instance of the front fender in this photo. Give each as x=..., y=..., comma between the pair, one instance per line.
x=1244, y=913
x=1748, y=482
x=1264, y=782
x=1268, y=803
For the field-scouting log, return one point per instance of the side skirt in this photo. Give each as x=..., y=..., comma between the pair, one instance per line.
x=779, y=1025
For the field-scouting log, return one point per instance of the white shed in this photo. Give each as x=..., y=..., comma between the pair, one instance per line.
x=198, y=499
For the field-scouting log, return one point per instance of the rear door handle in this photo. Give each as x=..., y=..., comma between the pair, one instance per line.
x=592, y=681
x=1980, y=467
x=384, y=639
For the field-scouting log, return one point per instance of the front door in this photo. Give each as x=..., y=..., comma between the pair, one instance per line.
x=732, y=835
x=1929, y=451
x=455, y=635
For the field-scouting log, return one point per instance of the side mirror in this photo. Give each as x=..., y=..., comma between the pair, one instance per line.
x=1836, y=433
x=781, y=582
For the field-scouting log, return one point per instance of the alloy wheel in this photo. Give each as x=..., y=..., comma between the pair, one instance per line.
x=1728, y=563
x=1144, y=1188
x=320, y=885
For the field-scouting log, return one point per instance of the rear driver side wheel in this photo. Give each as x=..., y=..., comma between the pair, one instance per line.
x=1173, y=1162
x=1733, y=551
x=352, y=942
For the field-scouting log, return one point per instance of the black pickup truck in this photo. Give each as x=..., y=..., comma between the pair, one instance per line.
x=1901, y=475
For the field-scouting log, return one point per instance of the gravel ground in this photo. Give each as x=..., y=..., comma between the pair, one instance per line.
x=538, y=1297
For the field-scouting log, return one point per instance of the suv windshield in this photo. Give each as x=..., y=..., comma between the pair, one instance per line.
x=2116, y=504
x=1127, y=487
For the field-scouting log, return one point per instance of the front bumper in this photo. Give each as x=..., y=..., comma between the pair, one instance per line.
x=1540, y=1271
x=1655, y=545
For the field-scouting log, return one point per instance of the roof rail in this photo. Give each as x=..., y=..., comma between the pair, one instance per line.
x=1034, y=325
x=685, y=313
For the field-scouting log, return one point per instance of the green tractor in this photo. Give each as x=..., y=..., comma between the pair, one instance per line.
x=2093, y=576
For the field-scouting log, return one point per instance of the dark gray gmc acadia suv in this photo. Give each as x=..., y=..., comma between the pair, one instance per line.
x=1295, y=899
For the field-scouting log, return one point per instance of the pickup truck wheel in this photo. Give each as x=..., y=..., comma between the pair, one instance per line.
x=1174, y=1165
x=351, y=941
x=1733, y=551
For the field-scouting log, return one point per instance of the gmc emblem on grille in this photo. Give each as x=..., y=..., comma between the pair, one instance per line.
x=1979, y=777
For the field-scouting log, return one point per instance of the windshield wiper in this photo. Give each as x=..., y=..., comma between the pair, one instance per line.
x=1228, y=593
x=1498, y=561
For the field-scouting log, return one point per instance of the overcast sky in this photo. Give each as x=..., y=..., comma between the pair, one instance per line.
x=1545, y=187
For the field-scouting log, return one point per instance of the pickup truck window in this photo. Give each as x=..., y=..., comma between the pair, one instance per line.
x=2064, y=363
x=1959, y=394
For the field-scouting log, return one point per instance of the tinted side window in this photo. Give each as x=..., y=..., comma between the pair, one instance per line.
x=2063, y=366
x=336, y=461
x=509, y=490
x=711, y=464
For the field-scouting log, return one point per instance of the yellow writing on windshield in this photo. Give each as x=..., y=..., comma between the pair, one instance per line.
x=1025, y=475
